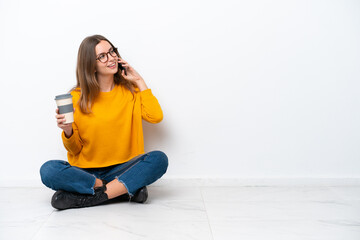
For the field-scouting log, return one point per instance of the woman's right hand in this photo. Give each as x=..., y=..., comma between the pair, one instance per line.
x=68, y=130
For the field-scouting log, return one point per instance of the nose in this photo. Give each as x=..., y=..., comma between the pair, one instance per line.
x=110, y=57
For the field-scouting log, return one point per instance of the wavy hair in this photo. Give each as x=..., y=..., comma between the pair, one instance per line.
x=86, y=77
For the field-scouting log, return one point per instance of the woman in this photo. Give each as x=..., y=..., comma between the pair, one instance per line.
x=105, y=144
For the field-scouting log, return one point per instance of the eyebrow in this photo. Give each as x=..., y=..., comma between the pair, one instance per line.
x=105, y=52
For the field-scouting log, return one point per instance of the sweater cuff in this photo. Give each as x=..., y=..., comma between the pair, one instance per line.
x=68, y=140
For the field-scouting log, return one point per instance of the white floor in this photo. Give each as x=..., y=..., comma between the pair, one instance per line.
x=190, y=213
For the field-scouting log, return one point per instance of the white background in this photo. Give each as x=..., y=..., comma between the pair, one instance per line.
x=249, y=89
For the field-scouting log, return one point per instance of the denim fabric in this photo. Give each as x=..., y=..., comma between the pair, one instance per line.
x=140, y=171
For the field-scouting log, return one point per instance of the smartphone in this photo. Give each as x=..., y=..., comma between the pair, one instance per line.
x=120, y=68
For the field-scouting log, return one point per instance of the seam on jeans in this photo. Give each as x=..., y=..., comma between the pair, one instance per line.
x=130, y=167
x=117, y=177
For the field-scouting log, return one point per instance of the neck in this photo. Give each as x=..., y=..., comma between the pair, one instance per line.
x=106, y=82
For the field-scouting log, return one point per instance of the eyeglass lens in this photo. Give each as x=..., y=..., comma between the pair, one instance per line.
x=103, y=57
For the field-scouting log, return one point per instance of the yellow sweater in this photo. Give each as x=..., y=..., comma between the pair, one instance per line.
x=113, y=133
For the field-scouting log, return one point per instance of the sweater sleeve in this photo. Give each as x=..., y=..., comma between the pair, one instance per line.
x=150, y=107
x=73, y=144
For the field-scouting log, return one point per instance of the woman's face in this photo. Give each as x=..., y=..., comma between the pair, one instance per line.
x=102, y=52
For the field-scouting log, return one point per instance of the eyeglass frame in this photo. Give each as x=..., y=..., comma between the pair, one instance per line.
x=107, y=53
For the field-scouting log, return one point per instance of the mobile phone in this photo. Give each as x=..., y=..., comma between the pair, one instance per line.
x=120, y=68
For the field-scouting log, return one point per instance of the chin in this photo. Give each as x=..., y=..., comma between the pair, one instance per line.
x=113, y=71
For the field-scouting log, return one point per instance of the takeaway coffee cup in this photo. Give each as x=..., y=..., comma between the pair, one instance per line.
x=65, y=105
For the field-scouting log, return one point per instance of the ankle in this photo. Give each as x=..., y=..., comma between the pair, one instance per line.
x=115, y=189
x=98, y=183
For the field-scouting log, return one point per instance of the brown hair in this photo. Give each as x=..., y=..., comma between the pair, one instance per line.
x=86, y=73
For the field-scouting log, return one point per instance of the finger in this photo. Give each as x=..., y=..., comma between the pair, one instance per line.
x=59, y=116
x=60, y=121
x=125, y=67
x=57, y=111
x=122, y=61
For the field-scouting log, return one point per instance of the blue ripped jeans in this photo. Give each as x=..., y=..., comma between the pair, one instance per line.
x=134, y=174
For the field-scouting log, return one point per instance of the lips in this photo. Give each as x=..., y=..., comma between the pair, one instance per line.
x=113, y=65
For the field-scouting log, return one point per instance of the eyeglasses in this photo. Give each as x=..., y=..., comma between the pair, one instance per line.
x=103, y=57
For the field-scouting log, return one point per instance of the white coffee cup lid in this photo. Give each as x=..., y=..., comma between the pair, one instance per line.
x=63, y=96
